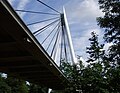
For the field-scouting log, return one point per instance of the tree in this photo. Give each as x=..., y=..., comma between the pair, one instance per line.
x=86, y=80
x=94, y=73
x=111, y=23
x=16, y=85
x=73, y=73
x=95, y=50
x=33, y=88
x=11, y=84
x=4, y=88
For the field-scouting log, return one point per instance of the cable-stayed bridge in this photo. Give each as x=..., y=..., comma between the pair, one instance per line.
x=35, y=56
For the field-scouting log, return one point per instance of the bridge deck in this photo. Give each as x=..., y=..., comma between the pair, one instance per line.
x=22, y=56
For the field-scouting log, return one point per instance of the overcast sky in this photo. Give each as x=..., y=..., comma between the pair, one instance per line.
x=81, y=16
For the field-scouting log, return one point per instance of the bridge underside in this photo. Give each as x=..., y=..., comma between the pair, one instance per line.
x=22, y=56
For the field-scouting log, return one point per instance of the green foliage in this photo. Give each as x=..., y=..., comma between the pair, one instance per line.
x=33, y=88
x=13, y=85
x=111, y=23
x=113, y=78
x=95, y=50
x=89, y=79
x=111, y=19
x=4, y=88
x=17, y=85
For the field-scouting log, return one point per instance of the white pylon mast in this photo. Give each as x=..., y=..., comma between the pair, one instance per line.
x=74, y=60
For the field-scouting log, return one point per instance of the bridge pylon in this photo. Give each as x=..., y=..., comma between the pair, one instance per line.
x=66, y=31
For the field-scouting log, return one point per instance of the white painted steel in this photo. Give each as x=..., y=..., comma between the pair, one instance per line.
x=74, y=60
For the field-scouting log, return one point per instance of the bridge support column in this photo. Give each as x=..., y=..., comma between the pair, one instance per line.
x=74, y=60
